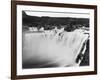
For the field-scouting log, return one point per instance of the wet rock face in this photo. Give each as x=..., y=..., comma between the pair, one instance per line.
x=50, y=49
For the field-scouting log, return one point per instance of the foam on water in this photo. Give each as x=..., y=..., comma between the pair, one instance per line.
x=53, y=48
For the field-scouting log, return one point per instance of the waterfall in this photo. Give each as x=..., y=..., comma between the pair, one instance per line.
x=50, y=47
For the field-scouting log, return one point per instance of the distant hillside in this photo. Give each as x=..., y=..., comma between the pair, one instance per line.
x=58, y=21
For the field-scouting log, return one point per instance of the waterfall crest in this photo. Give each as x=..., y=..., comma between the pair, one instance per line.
x=50, y=47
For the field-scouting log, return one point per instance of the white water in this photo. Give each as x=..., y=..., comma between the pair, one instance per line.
x=52, y=48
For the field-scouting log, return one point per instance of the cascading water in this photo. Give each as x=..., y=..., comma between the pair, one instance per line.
x=61, y=48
